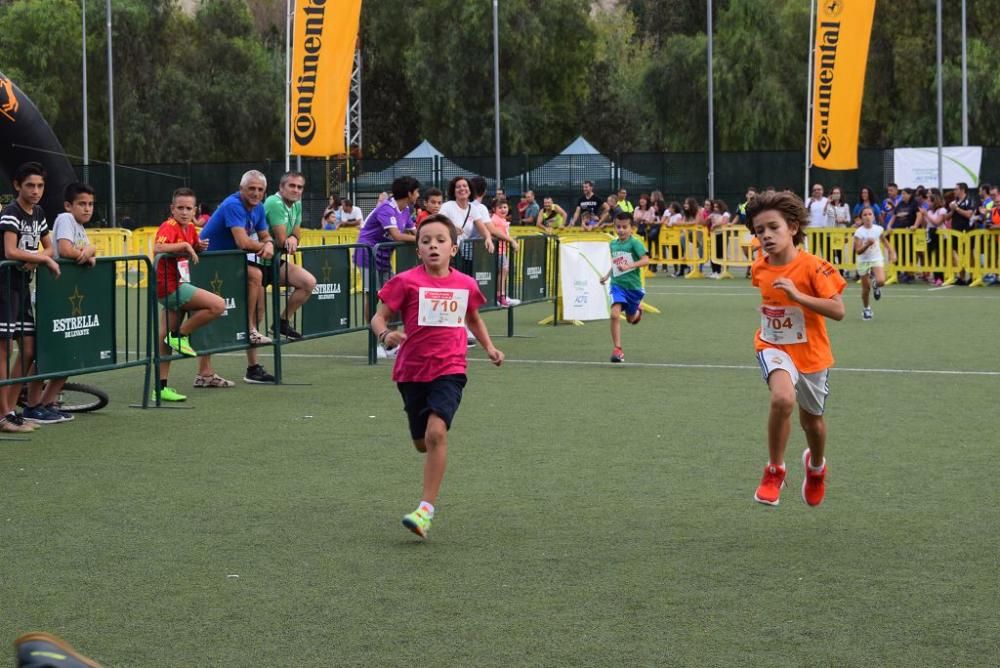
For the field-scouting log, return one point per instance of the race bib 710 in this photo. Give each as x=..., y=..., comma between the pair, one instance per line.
x=443, y=307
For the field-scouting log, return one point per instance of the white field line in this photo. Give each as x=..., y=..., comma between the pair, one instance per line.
x=665, y=365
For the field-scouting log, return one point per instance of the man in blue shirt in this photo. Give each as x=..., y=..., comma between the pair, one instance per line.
x=240, y=222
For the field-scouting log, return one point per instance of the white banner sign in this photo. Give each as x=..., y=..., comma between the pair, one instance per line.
x=581, y=266
x=914, y=167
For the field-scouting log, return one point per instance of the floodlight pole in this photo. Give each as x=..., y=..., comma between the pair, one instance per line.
x=940, y=104
x=288, y=85
x=111, y=117
x=86, y=136
x=496, y=92
x=809, y=92
x=711, y=109
x=965, y=81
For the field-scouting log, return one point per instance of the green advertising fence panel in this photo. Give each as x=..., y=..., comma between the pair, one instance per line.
x=531, y=262
x=76, y=319
x=225, y=274
x=483, y=269
x=328, y=310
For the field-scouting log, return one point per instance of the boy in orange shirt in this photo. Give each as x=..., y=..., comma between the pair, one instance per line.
x=797, y=291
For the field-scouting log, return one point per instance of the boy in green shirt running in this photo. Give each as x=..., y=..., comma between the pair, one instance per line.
x=628, y=256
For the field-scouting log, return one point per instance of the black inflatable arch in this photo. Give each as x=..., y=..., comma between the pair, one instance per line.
x=26, y=136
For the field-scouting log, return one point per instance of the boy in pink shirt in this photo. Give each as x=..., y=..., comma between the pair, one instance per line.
x=435, y=302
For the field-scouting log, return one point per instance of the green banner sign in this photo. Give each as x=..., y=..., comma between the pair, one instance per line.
x=329, y=308
x=225, y=274
x=533, y=261
x=484, y=270
x=75, y=324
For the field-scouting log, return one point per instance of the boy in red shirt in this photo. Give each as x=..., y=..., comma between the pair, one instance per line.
x=177, y=295
x=435, y=302
x=798, y=290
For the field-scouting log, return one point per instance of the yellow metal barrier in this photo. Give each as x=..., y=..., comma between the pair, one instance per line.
x=684, y=244
x=984, y=255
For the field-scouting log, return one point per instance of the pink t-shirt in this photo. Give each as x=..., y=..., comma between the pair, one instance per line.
x=503, y=225
x=430, y=352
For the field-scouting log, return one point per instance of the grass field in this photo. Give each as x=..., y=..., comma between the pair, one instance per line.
x=592, y=514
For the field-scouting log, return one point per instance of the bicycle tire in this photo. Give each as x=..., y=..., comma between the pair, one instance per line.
x=80, y=398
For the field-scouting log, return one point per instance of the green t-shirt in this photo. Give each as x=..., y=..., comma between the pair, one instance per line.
x=630, y=250
x=279, y=215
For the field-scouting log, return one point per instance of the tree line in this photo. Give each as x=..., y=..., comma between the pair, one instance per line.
x=206, y=84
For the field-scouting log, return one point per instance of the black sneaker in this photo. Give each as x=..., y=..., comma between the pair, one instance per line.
x=256, y=374
x=286, y=330
x=43, y=650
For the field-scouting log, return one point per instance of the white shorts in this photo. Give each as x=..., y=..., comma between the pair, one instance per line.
x=811, y=389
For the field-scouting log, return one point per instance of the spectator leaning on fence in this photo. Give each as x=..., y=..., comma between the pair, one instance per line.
x=179, y=297
x=389, y=221
x=26, y=240
x=551, y=217
x=239, y=222
x=71, y=243
x=349, y=215
x=433, y=199
x=887, y=212
x=283, y=210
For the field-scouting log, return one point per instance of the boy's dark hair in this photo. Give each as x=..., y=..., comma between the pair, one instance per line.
x=432, y=192
x=444, y=220
x=346, y=202
x=26, y=169
x=497, y=201
x=403, y=186
x=623, y=215
x=76, y=189
x=183, y=191
x=787, y=205
x=478, y=186
x=963, y=186
x=892, y=185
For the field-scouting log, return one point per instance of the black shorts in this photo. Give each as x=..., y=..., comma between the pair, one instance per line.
x=16, y=315
x=440, y=396
x=266, y=271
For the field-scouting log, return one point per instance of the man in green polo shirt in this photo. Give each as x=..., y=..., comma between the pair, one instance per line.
x=284, y=218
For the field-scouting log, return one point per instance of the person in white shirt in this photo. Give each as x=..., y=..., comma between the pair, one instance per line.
x=349, y=215
x=817, y=207
x=868, y=241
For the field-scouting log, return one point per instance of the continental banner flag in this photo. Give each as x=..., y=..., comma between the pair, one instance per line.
x=325, y=35
x=843, y=30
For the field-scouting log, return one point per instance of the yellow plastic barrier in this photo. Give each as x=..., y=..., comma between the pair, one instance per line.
x=115, y=242
x=737, y=248
x=143, y=239
x=983, y=254
x=684, y=244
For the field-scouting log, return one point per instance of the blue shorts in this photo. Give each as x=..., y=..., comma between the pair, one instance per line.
x=440, y=396
x=630, y=299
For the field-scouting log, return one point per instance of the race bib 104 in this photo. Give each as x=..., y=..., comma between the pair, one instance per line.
x=443, y=307
x=782, y=324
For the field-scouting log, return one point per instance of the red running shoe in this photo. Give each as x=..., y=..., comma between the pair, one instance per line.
x=814, y=486
x=770, y=485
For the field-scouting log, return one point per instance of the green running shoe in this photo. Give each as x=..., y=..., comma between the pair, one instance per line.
x=170, y=394
x=180, y=344
x=419, y=522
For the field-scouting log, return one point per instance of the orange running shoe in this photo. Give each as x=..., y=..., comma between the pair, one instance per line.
x=770, y=485
x=814, y=486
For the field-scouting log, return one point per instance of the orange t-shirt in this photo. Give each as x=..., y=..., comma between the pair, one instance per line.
x=789, y=326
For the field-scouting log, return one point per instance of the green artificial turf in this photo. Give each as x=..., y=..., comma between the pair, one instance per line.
x=592, y=514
